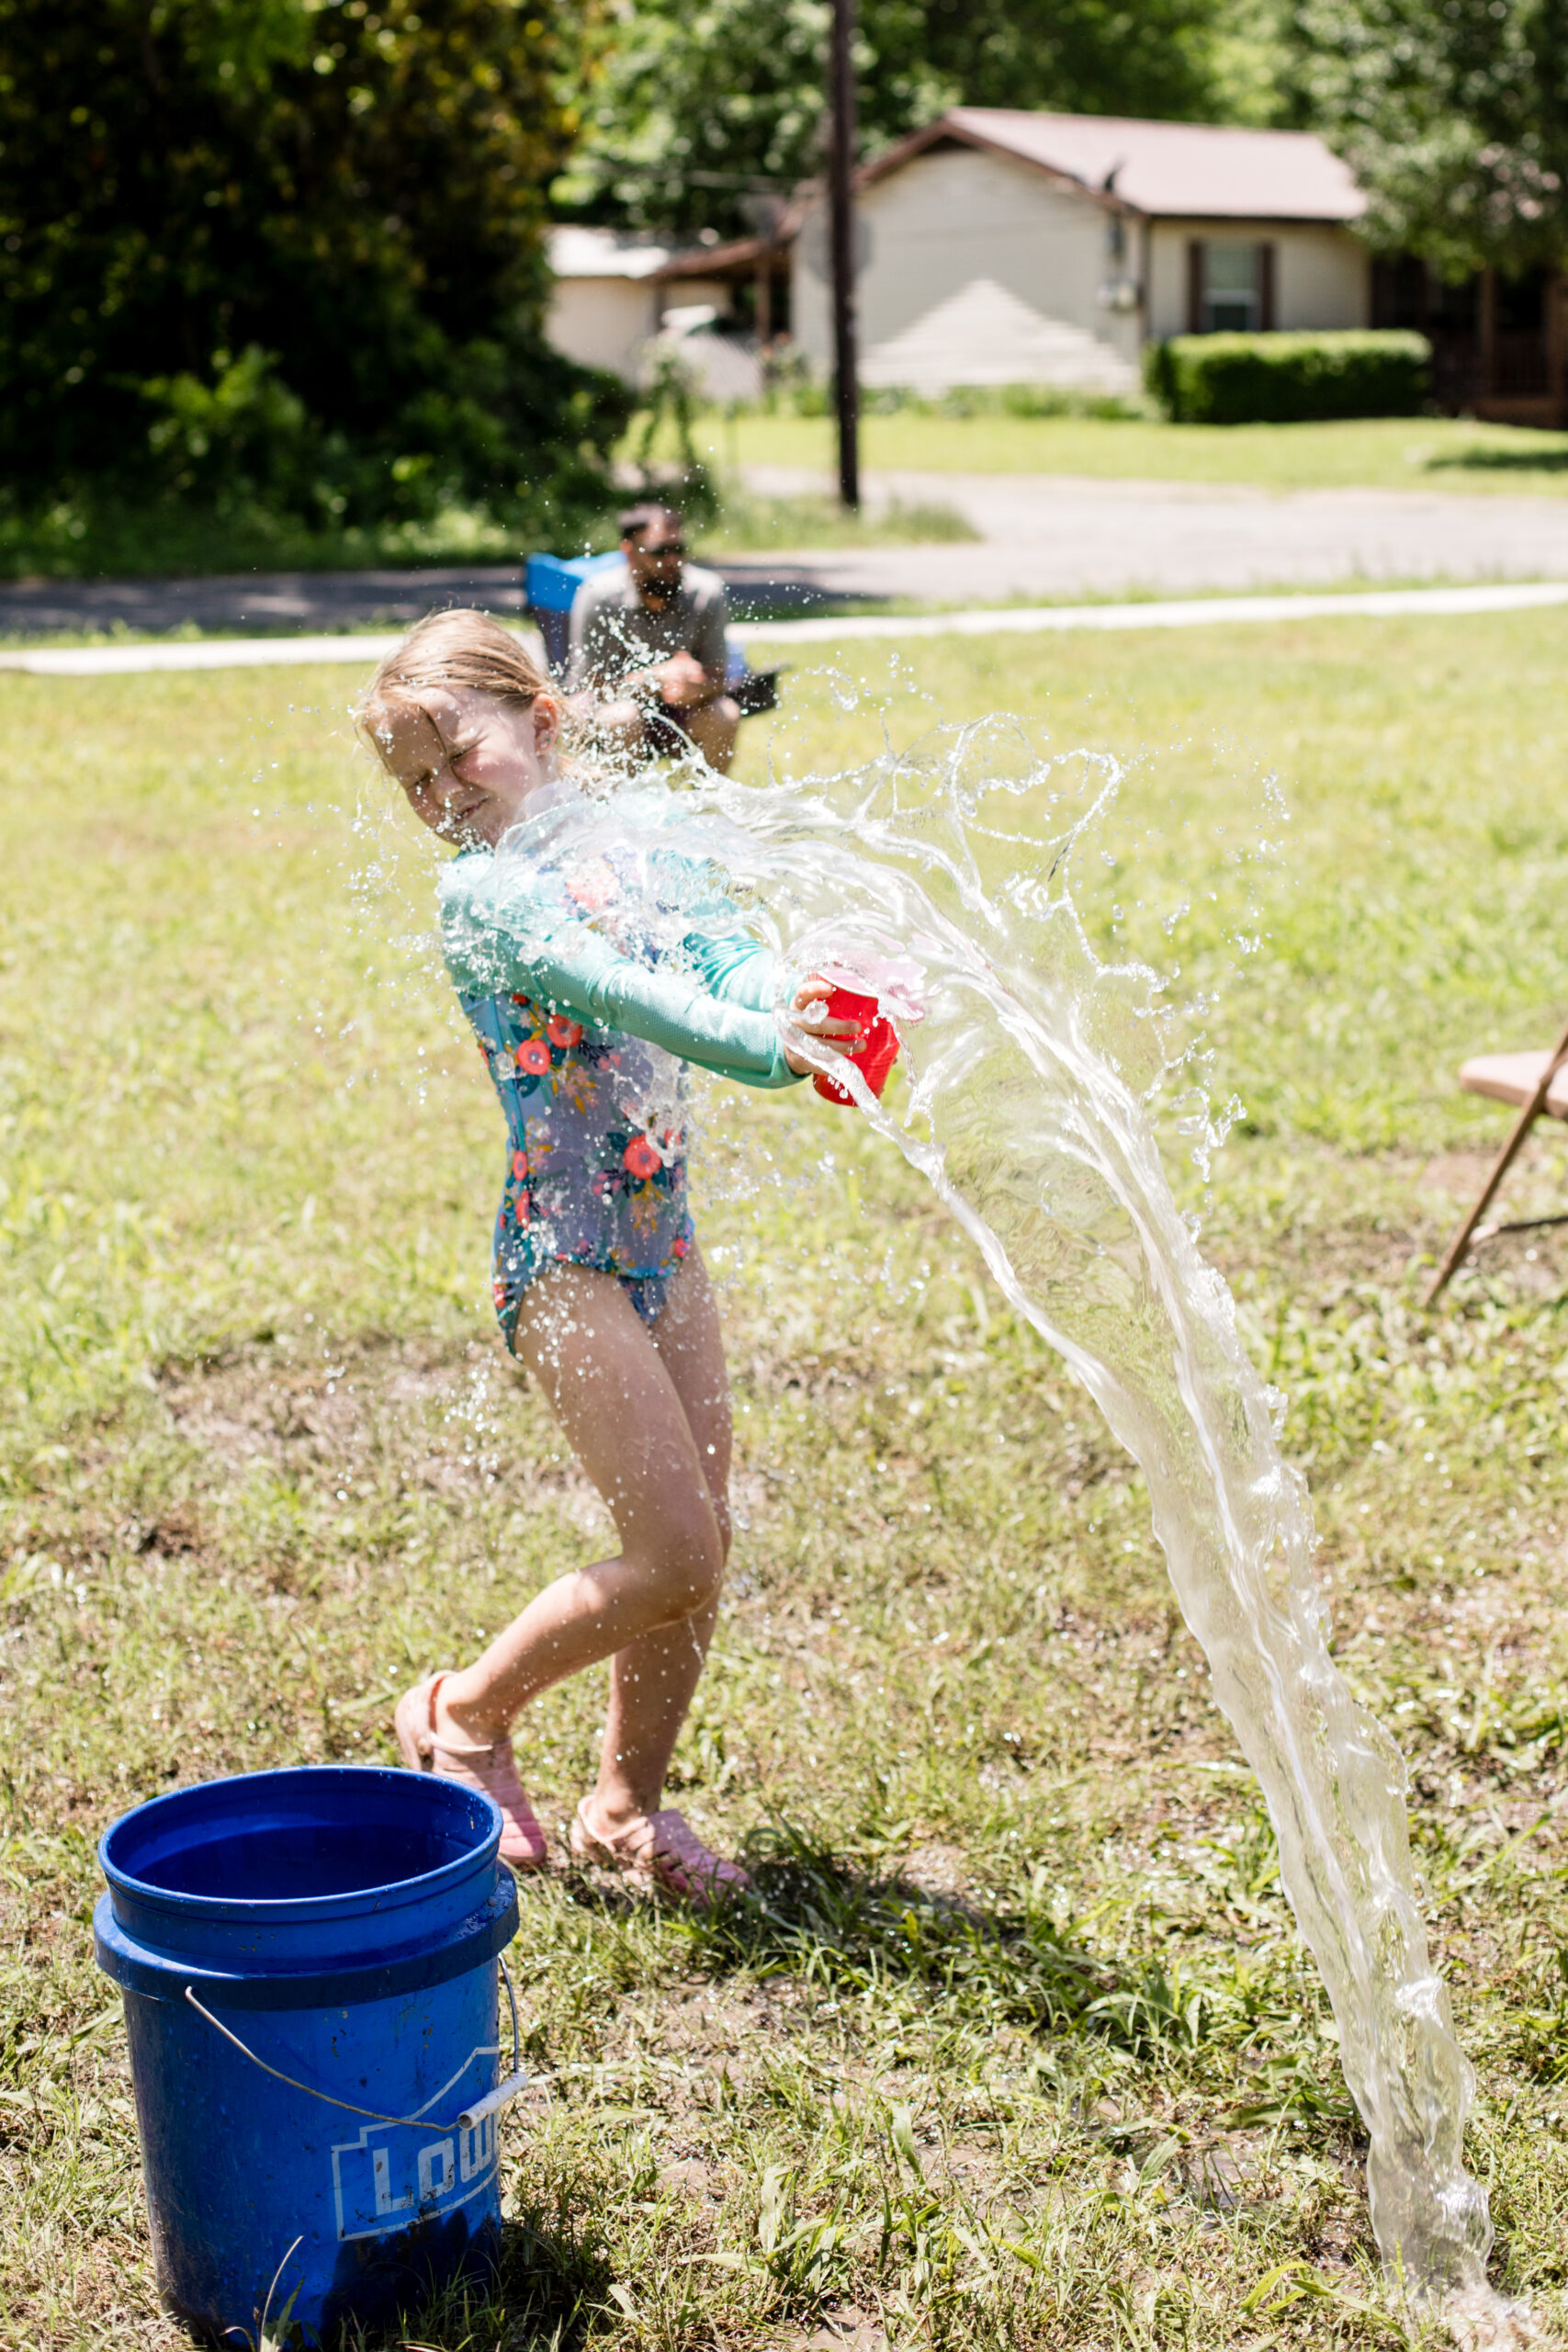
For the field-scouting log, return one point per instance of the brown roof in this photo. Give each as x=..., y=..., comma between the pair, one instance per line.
x=740, y=254
x=1190, y=170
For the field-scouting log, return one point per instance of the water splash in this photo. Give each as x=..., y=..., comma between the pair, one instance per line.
x=1028, y=1111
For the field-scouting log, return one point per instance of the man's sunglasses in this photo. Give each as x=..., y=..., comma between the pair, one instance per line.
x=665, y=547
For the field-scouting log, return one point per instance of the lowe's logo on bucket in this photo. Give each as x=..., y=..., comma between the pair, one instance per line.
x=394, y=2175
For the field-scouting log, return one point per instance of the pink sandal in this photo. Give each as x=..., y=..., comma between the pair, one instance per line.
x=492, y=1768
x=663, y=1853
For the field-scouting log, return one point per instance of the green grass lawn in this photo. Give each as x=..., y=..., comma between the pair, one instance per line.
x=1430, y=453
x=1021, y=2049
x=108, y=538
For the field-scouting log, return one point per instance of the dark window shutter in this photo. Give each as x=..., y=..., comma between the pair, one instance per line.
x=1195, y=286
x=1385, y=291
x=1266, y=287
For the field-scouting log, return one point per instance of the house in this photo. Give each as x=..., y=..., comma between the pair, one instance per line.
x=605, y=299
x=611, y=294
x=998, y=246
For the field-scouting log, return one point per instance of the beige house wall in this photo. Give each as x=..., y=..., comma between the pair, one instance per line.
x=1322, y=275
x=974, y=270
x=603, y=321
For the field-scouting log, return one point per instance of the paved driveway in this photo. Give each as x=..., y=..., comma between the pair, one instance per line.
x=1042, y=536
x=1051, y=535
x=252, y=600
x=308, y=603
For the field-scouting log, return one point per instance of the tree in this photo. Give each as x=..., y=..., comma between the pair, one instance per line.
x=1454, y=116
x=694, y=107
x=286, y=247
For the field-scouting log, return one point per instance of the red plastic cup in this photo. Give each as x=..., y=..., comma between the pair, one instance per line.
x=873, y=1057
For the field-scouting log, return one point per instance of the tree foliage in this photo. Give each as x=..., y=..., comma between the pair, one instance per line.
x=284, y=249
x=1455, y=115
x=693, y=107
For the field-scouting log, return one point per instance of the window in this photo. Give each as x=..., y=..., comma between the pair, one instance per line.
x=1230, y=286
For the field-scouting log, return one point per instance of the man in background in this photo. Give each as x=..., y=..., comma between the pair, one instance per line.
x=647, y=664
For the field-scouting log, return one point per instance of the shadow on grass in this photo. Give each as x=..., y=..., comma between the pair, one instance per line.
x=850, y=1930
x=1500, y=461
x=758, y=598
x=551, y=2284
x=848, y=1927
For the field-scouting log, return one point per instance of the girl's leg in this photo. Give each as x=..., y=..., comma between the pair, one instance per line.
x=620, y=1409
x=652, y=1679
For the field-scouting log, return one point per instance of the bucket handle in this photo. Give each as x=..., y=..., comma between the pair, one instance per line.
x=504, y=2094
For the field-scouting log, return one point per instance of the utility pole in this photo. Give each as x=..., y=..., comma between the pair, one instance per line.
x=840, y=180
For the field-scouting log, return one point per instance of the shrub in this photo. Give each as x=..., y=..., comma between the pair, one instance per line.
x=803, y=395
x=980, y=400
x=1032, y=401
x=288, y=258
x=1288, y=379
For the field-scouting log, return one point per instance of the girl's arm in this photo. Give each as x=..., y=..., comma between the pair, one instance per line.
x=497, y=934
x=732, y=965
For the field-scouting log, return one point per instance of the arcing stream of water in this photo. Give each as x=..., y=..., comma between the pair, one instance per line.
x=1025, y=1112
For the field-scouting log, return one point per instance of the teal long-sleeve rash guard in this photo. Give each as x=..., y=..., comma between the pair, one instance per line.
x=500, y=929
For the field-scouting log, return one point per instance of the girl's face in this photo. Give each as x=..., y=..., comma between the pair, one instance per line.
x=468, y=764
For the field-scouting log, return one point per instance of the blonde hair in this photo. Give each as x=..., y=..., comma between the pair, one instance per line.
x=453, y=649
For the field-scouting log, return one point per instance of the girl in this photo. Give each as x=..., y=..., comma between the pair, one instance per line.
x=599, y=1288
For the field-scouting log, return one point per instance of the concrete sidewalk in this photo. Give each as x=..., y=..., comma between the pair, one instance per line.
x=1012, y=620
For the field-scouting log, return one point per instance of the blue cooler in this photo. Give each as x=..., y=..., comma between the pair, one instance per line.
x=550, y=584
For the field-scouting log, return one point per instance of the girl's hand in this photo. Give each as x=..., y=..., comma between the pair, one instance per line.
x=831, y=1034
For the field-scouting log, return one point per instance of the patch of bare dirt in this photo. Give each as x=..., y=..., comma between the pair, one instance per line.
x=264, y=1405
x=450, y=1422
x=841, y=2328
x=1461, y=1174
x=690, y=2177
x=937, y=1871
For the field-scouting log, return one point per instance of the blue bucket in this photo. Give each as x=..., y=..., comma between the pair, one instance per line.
x=309, y=1963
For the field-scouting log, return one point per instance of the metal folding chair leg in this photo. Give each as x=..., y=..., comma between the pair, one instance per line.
x=1465, y=1238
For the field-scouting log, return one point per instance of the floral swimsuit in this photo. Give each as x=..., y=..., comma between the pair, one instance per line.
x=595, y=1131
x=587, y=1013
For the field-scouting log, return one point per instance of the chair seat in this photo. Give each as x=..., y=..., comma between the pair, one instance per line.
x=1512, y=1078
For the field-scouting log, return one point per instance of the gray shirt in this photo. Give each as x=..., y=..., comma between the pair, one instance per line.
x=612, y=633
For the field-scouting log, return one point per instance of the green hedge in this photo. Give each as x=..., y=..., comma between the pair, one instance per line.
x=1288, y=379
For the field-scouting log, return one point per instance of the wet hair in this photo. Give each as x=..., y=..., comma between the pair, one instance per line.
x=454, y=651
x=635, y=519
